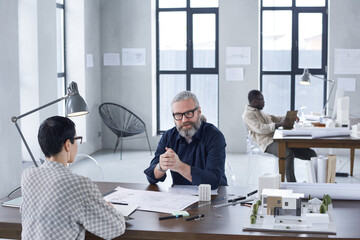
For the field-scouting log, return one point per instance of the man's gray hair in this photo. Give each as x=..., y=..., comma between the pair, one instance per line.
x=181, y=96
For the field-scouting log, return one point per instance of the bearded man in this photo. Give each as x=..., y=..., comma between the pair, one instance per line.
x=193, y=150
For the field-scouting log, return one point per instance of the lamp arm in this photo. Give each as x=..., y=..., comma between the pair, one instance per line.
x=14, y=120
x=332, y=87
x=325, y=79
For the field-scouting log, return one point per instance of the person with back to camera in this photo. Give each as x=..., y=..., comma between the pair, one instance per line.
x=193, y=150
x=262, y=127
x=57, y=204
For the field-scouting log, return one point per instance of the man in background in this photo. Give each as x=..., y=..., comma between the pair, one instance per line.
x=262, y=127
x=193, y=151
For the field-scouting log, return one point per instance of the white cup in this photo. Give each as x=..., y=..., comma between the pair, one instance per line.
x=204, y=192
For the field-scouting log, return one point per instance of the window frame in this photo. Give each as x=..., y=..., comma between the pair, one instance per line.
x=294, y=71
x=190, y=70
x=62, y=75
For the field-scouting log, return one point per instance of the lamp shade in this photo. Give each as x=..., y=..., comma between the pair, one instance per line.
x=75, y=104
x=305, y=78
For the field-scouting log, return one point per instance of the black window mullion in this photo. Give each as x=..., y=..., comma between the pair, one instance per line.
x=189, y=52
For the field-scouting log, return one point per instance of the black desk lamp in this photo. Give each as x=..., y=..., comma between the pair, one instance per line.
x=305, y=80
x=75, y=106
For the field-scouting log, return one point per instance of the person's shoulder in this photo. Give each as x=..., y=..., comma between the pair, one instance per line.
x=170, y=133
x=210, y=130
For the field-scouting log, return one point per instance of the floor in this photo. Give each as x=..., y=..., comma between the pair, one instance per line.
x=241, y=169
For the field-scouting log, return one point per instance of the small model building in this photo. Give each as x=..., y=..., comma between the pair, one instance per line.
x=281, y=202
x=269, y=180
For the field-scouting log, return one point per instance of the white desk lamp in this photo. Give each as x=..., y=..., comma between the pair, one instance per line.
x=305, y=80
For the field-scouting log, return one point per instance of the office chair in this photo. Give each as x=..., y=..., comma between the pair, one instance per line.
x=122, y=122
x=87, y=166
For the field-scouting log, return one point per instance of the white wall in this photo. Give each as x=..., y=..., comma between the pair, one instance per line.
x=10, y=160
x=127, y=24
x=344, y=21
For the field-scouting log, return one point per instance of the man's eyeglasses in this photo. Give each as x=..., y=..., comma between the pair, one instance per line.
x=78, y=139
x=188, y=114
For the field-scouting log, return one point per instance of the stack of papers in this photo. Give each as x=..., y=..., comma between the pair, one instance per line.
x=152, y=201
x=317, y=132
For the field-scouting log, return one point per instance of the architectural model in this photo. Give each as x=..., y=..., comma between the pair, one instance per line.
x=283, y=210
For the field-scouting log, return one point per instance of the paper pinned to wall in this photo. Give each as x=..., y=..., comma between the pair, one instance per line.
x=347, y=61
x=133, y=57
x=238, y=56
x=111, y=59
x=89, y=61
x=234, y=74
x=348, y=84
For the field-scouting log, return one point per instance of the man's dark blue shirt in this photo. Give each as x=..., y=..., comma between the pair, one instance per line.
x=205, y=154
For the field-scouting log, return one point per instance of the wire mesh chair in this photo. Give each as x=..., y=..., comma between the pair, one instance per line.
x=122, y=122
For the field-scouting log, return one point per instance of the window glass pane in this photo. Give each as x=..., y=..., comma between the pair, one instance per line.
x=60, y=39
x=310, y=3
x=276, y=91
x=276, y=41
x=309, y=98
x=204, y=3
x=204, y=40
x=277, y=3
x=172, y=3
x=205, y=88
x=60, y=1
x=170, y=85
x=172, y=40
x=310, y=40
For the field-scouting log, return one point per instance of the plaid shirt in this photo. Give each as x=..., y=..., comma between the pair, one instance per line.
x=58, y=204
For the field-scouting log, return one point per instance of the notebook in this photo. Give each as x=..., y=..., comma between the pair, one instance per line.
x=13, y=203
x=290, y=118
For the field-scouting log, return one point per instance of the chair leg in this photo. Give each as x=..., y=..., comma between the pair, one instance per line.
x=116, y=145
x=121, y=145
x=148, y=141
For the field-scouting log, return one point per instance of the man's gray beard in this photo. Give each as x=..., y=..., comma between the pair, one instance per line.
x=190, y=132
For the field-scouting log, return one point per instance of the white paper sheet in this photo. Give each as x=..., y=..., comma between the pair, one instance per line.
x=126, y=210
x=151, y=200
x=234, y=74
x=111, y=59
x=345, y=191
x=238, y=56
x=348, y=84
x=188, y=189
x=89, y=61
x=133, y=56
x=347, y=61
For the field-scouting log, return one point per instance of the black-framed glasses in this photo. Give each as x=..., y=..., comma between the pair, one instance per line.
x=188, y=114
x=78, y=139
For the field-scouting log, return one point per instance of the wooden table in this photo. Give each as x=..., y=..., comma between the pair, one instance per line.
x=220, y=223
x=307, y=142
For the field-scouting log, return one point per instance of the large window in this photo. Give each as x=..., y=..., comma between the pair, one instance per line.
x=60, y=45
x=294, y=37
x=187, y=56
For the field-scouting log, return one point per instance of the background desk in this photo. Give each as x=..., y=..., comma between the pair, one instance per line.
x=146, y=225
x=307, y=142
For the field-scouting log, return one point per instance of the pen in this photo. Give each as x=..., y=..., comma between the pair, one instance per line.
x=195, y=217
x=170, y=217
x=252, y=193
x=236, y=199
x=118, y=203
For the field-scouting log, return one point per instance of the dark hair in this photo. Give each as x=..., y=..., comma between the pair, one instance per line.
x=53, y=133
x=253, y=94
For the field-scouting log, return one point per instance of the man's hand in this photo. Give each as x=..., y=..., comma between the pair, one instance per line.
x=170, y=160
